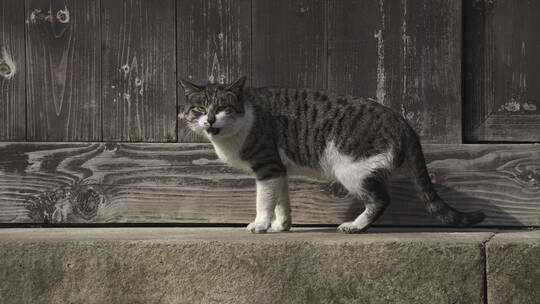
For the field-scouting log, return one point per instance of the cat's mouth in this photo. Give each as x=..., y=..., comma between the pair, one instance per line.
x=213, y=131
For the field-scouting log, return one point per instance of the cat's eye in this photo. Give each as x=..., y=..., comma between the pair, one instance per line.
x=199, y=109
x=223, y=108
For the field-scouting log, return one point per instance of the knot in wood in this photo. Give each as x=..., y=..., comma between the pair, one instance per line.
x=43, y=207
x=482, y=4
x=5, y=70
x=86, y=202
x=63, y=15
x=7, y=65
x=531, y=177
x=39, y=15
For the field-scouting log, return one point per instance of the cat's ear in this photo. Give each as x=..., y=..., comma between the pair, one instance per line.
x=189, y=87
x=237, y=86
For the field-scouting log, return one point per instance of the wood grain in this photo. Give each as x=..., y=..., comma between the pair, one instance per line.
x=502, y=47
x=354, y=46
x=139, y=81
x=184, y=183
x=63, y=60
x=12, y=71
x=406, y=54
x=289, y=43
x=213, y=45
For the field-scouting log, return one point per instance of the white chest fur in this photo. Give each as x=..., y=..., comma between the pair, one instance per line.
x=228, y=149
x=229, y=152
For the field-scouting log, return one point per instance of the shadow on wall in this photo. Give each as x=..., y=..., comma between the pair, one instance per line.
x=407, y=209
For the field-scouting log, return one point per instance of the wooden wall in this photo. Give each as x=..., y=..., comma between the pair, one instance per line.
x=77, y=74
x=12, y=71
x=501, y=71
x=106, y=70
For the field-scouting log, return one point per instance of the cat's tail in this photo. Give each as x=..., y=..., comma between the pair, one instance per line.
x=434, y=204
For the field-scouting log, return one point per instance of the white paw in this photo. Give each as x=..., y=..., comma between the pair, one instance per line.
x=281, y=225
x=257, y=227
x=349, y=227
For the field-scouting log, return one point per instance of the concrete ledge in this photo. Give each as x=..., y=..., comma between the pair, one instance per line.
x=223, y=265
x=513, y=267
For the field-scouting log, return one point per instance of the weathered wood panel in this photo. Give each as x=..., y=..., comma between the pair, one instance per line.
x=105, y=183
x=354, y=29
x=139, y=81
x=12, y=71
x=502, y=55
x=406, y=54
x=289, y=43
x=63, y=64
x=213, y=45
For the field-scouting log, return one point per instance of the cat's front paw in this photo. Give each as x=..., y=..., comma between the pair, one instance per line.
x=258, y=227
x=350, y=227
x=281, y=225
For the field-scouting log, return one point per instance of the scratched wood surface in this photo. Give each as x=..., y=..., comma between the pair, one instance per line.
x=139, y=86
x=63, y=60
x=12, y=71
x=184, y=183
x=355, y=50
x=213, y=45
x=502, y=54
x=406, y=54
x=289, y=43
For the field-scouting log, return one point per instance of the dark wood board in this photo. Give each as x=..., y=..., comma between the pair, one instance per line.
x=139, y=76
x=184, y=183
x=289, y=43
x=12, y=71
x=213, y=45
x=502, y=55
x=405, y=54
x=63, y=65
x=354, y=48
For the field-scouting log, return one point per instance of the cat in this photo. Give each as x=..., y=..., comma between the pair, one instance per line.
x=275, y=132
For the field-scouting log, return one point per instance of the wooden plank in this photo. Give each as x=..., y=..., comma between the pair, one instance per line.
x=184, y=183
x=353, y=48
x=289, y=43
x=12, y=71
x=502, y=47
x=213, y=45
x=406, y=54
x=515, y=128
x=139, y=86
x=63, y=80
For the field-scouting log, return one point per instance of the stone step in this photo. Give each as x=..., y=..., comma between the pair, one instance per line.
x=229, y=265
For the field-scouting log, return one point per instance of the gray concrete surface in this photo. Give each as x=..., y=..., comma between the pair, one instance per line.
x=513, y=268
x=224, y=265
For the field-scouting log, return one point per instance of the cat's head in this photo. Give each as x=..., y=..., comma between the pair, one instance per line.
x=213, y=110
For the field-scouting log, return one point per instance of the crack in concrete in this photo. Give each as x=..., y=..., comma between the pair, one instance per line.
x=484, y=258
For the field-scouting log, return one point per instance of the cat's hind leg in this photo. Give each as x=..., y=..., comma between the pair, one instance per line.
x=282, y=212
x=375, y=195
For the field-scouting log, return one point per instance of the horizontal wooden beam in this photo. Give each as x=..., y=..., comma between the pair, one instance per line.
x=185, y=183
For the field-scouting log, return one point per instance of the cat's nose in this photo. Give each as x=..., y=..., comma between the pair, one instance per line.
x=211, y=120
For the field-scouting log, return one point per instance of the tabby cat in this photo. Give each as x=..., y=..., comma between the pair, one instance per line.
x=273, y=133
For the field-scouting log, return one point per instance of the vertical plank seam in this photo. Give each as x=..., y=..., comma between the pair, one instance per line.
x=25, y=37
x=463, y=71
x=101, y=89
x=251, y=77
x=326, y=8
x=176, y=95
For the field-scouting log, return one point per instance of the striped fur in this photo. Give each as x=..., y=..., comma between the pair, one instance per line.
x=273, y=133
